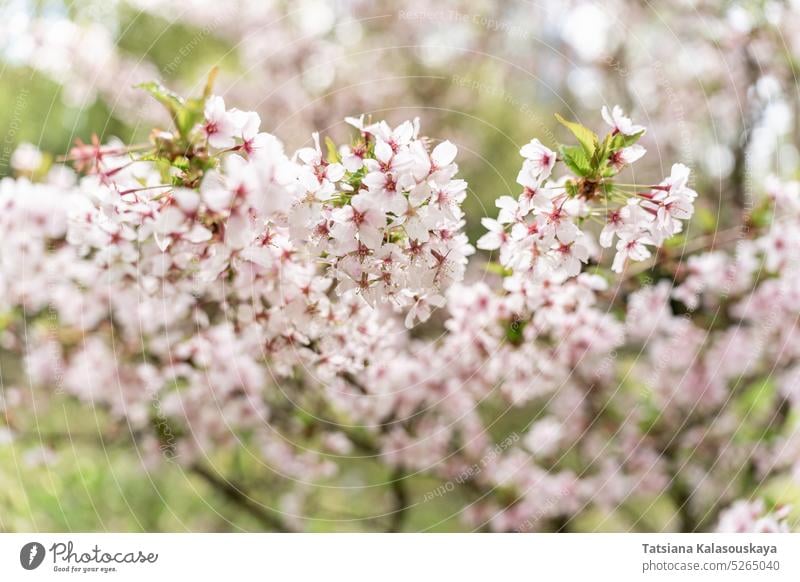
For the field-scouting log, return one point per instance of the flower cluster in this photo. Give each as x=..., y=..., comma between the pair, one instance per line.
x=246, y=245
x=210, y=291
x=385, y=215
x=540, y=231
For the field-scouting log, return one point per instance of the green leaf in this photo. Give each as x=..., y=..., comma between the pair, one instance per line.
x=333, y=156
x=172, y=101
x=498, y=269
x=586, y=137
x=185, y=114
x=621, y=140
x=575, y=159
x=572, y=188
x=191, y=115
x=600, y=157
x=515, y=331
x=182, y=163
x=209, y=88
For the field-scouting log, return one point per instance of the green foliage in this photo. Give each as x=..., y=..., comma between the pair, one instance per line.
x=590, y=159
x=576, y=160
x=515, y=331
x=586, y=137
x=498, y=269
x=183, y=158
x=182, y=116
x=621, y=140
x=185, y=113
x=332, y=152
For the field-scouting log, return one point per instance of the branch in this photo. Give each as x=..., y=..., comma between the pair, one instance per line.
x=749, y=118
x=353, y=381
x=239, y=497
x=400, y=496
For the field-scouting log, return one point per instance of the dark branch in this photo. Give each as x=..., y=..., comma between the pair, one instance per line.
x=400, y=497
x=239, y=497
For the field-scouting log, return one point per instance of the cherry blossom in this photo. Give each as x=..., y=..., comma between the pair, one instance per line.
x=302, y=278
x=539, y=162
x=618, y=122
x=220, y=126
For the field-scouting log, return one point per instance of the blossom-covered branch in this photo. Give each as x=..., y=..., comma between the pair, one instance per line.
x=213, y=292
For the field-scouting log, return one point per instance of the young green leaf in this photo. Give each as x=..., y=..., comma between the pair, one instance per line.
x=209, y=88
x=621, y=140
x=172, y=101
x=498, y=269
x=332, y=152
x=600, y=156
x=575, y=159
x=515, y=332
x=586, y=137
x=185, y=114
